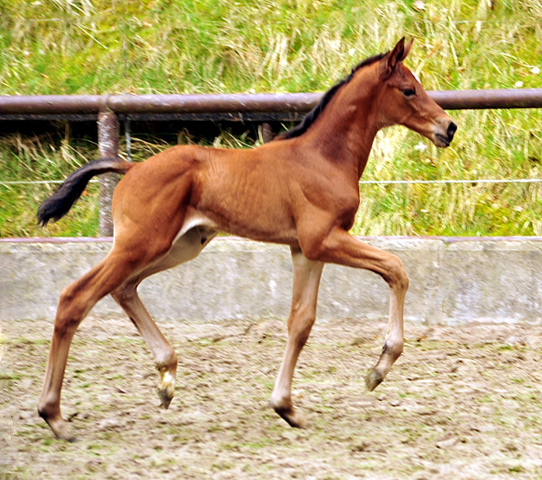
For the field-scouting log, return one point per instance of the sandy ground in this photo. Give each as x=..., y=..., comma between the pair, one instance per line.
x=463, y=402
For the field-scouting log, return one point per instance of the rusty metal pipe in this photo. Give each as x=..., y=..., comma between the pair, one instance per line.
x=488, y=99
x=72, y=104
x=244, y=103
x=108, y=145
x=51, y=104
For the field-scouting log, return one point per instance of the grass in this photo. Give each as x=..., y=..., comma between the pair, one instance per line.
x=41, y=159
x=226, y=46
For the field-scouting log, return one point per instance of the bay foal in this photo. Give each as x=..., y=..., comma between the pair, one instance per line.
x=300, y=190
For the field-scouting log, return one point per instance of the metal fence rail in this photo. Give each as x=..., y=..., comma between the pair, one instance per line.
x=258, y=107
x=243, y=103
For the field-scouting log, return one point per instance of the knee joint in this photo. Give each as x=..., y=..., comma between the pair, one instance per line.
x=396, y=275
x=123, y=293
x=70, y=310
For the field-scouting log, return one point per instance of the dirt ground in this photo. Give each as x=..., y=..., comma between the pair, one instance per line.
x=463, y=402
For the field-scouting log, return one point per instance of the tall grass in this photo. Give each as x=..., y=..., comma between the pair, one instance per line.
x=226, y=46
x=42, y=159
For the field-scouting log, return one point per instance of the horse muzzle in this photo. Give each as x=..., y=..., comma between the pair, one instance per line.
x=444, y=134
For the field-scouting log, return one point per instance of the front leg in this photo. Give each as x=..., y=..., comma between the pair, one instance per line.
x=339, y=247
x=307, y=275
x=393, y=343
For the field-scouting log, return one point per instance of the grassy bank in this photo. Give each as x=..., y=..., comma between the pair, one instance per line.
x=289, y=46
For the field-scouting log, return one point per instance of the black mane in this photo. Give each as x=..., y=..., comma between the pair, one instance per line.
x=311, y=117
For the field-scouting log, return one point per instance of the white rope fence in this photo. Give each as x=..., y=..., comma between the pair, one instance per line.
x=437, y=182
x=36, y=182
x=362, y=182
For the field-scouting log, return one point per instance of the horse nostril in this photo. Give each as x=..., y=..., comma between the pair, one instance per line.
x=451, y=129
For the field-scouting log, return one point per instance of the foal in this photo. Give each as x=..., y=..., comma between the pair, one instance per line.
x=301, y=190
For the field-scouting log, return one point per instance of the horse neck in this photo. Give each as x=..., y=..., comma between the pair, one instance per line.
x=345, y=131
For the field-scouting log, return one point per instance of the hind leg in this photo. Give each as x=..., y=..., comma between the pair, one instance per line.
x=74, y=304
x=185, y=249
x=164, y=356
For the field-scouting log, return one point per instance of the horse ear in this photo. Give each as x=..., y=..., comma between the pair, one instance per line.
x=397, y=55
x=407, y=49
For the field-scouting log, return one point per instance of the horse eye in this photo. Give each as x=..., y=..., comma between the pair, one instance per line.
x=408, y=92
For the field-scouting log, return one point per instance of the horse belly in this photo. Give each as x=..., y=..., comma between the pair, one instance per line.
x=251, y=214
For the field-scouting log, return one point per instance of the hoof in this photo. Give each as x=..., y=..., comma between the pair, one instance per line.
x=165, y=395
x=291, y=416
x=373, y=379
x=59, y=427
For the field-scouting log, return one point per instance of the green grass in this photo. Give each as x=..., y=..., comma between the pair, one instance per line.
x=226, y=46
x=40, y=159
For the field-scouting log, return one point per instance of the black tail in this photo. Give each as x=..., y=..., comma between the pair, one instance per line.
x=59, y=204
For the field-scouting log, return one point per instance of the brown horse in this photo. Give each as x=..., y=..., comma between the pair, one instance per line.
x=300, y=190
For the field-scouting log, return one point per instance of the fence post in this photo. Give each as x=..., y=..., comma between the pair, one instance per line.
x=108, y=146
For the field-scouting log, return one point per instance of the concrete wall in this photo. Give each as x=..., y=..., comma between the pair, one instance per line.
x=452, y=280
